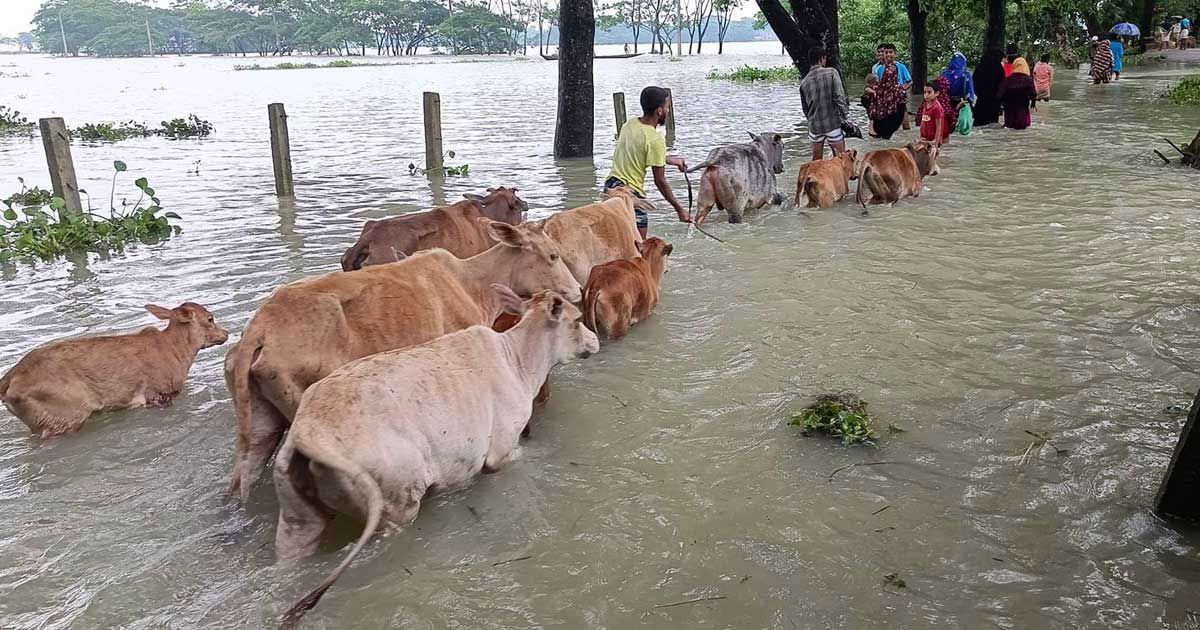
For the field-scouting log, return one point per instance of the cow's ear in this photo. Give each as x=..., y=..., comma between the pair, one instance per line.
x=778, y=138
x=752, y=136
x=668, y=249
x=473, y=197
x=160, y=312
x=509, y=301
x=505, y=233
x=640, y=246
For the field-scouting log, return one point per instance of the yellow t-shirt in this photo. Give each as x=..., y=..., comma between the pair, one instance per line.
x=638, y=147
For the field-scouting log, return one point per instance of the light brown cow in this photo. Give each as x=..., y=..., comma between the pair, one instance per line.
x=381, y=433
x=888, y=175
x=504, y=323
x=56, y=387
x=454, y=228
x=821, y=183
x=598, y=232
x=622, y=293
x=309, y=328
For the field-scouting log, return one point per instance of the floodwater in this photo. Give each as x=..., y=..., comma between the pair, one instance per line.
x=1045, y=282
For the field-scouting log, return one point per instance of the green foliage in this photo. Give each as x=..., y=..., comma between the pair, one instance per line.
x=1187, y=92
x=191, y=127
x=838, y=415
x=12, y=122
x=34, y=224
x=288, y=65
x=750, y=74
x=461, y=170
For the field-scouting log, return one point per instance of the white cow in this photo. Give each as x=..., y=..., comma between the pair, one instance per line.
x=380, y=433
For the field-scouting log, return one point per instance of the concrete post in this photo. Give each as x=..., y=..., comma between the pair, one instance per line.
x=281, y=150
x=1179, y=494
x=433, y=132
x=57, y=142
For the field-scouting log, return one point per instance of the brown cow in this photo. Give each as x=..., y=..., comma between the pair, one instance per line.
x=454, y=228
x=56, y=387
x=888, y=175
x=309, y=328
x=821, y=183
x=624, y=292
x=598, y=232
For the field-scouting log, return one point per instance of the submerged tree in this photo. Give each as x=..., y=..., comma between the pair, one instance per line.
x=804, y=25
x=575, y=126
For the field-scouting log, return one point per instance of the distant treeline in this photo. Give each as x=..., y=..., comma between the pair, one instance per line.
x=382, y=27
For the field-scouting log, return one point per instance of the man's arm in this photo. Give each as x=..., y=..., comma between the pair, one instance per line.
x=664, y=187
x=839, y=98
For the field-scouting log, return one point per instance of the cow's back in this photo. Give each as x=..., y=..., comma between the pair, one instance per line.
x=458, y=231
x=595, y=234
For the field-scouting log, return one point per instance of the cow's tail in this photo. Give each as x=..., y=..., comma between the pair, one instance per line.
x=369, y=489
x=591, y=296
x=863, y=180
x=701, y=166
x=354, y=257
x=806, y=189
x=237, y=378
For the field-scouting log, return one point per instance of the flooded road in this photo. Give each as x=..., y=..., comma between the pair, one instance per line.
x=1044, y=282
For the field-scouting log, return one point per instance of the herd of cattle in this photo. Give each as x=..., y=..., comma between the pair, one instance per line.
x=417, y=367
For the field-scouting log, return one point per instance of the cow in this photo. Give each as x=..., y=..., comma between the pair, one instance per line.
x=309, y=328
x=55, y=388
x=381, y=433
x=740, y=177
x=821, y=183
x=888, y=175
x=503, y=323
x=622, y=293
x=454, y=228
x=598, y=232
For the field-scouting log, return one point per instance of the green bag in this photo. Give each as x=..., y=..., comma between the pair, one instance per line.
x=966, y=120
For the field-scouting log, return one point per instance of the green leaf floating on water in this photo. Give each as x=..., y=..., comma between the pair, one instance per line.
x=120, y=166
x=838, y=415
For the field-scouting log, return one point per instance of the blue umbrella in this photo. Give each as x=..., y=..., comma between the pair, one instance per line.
x=1125, y=29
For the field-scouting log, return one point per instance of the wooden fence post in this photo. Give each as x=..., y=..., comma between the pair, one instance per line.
x=281, y=150
x=1179, y=494
x=671, y=119
x=619, y=109
x=433, y=132
x=57, y=142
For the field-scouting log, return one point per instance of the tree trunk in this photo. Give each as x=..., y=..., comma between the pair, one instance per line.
x=573, y=133
x=993, y=38
x=1146, y=24
x=918, y=34
x=811, y=23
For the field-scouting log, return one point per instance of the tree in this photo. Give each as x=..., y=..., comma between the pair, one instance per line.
x=476, y=30
x=808, y=24
x=993, y=38
x=698, y=21
x=919, y=44
x=724, y=9
x=574, y=128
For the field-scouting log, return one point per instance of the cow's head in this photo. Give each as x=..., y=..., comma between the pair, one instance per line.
x=550, y=313
x=655, y=251
x=532, y=262
x=193, y=320
x=925, y=154
x=771, y=145
x=849, y=160
x=501, y=204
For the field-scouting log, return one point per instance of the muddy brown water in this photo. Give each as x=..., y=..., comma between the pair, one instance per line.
x=1044, y=282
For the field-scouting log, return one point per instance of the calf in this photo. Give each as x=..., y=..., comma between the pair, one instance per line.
x=381, y=433
x=740, y=177
x=624, y=292
x=598, y=232
x=888, y=175
x=454, y=228
x=56, y=387
x=823, y=182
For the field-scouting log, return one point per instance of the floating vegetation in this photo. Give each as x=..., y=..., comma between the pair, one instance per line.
x=750, y=74
x=191, y=127
x=461, y=170
x=841, y=416
x=290, y=65
x=37, y=225
x=1187, y=92
x=12, y=122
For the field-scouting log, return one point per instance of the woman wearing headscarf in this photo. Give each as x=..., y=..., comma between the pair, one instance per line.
x=1017, y=94
x=958, y=88
x=889, y=105
x=989, y=74
x=1102, y=63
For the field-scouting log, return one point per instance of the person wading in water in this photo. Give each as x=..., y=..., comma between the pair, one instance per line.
x=640, y=147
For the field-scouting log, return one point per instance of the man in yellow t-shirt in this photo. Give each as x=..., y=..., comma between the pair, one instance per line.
x=639, y=146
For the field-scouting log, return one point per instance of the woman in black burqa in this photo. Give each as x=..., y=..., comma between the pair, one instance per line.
x=989, y=74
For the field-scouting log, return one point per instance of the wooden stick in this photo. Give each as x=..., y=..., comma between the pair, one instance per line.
x=281, y=150
x=1164, y=158
x=1176, y=147
x=432, y=102
x=56, y=141
x=518, y=558
x=707, y=598
x=848, y=466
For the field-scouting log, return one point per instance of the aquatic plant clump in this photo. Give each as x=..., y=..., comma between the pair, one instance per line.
x=191, y=127
x=750, y=74
x=1187, y=92
x=35, y=224
x=12, y=122
x=838, y=415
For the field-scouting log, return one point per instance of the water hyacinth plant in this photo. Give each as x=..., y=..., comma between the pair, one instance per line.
x=12, y=122
x=838, y=415
x=37, y=225
x=749, y=74
x=1187, y=92
x=191, y=127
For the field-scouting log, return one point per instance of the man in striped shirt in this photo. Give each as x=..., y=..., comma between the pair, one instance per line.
x=825, y=105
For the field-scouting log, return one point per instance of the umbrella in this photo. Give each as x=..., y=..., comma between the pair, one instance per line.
x=1126, y=29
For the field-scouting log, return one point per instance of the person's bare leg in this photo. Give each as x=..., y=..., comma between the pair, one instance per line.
x=837, y=147
x=818, y=151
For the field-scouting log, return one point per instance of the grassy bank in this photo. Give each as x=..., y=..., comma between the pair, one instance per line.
x=288, y=65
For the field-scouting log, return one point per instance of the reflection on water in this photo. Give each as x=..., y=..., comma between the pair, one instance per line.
x=1041, y=283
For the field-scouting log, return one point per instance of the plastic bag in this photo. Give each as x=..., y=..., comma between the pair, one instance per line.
x=966, y=120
